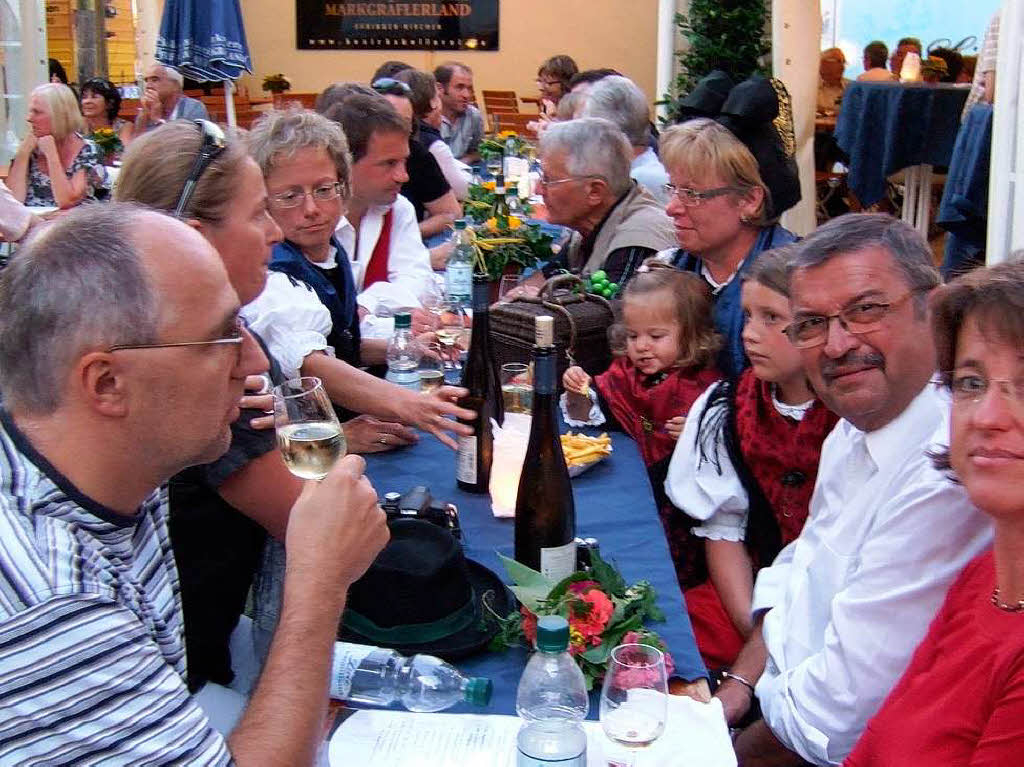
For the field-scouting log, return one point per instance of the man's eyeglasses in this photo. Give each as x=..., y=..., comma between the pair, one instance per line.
x=237, y=338
x=293, y=198
x=691, y=198
x=214, y=142
x=970, y=388
x=863, y=317
x=542, y=180
x=389, y=86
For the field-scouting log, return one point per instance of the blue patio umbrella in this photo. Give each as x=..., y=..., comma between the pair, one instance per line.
x=205, y=40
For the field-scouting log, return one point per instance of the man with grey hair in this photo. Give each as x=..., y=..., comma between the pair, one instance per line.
x=586, y=186
x=163, y=100
x=619, y=100
x=103, y=401
x=839, y=612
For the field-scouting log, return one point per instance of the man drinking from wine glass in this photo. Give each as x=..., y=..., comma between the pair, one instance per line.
x=104, y=400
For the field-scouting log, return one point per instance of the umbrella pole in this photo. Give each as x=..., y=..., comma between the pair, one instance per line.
x=229, y=102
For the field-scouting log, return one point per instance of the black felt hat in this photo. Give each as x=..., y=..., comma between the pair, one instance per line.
x=422, y=595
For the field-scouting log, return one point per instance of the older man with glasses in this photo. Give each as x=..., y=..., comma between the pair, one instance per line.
x=587, y=187
x=123, y=360
x=839, y=612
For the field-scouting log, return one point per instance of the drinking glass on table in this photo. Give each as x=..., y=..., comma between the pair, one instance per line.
x=308, y=431
x=431, y=368
x=517, y=387
x=634, y=699
x=493, y=164
x=454, y=323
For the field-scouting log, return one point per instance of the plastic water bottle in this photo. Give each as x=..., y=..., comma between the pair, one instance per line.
x=403, y=355
x=380, y=677
x=459, y=272
x=552, y=701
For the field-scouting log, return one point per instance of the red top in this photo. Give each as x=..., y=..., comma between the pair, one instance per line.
x=642, y=404
x=961, y=700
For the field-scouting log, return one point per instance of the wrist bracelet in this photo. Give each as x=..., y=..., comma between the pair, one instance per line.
x=745, y=682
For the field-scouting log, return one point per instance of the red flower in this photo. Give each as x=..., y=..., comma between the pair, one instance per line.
x=529, y=626
x=590, y=613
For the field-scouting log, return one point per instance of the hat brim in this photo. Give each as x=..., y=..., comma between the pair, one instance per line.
x=486, y=586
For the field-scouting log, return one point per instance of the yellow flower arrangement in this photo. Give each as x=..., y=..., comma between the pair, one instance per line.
x=513, y=223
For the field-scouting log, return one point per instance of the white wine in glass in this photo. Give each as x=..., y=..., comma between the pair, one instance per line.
x=634, y=698
x=308, y=431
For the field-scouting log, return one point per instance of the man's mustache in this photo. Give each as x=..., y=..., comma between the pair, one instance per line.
x=832, y=369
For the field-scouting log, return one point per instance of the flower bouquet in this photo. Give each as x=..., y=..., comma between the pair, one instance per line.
x=107, y=140
x=503, y=243
x=495, y=147
x=276, y=83
x=602, y=612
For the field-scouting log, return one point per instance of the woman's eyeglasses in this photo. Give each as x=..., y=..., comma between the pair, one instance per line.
x=214, y=142
x=691, y=198
x=293, y=198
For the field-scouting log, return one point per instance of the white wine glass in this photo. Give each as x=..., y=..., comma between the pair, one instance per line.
x=431, y=368
x=308, y=431
x=634, y=699
x=453, y=326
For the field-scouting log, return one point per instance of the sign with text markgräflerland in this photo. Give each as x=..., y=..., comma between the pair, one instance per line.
x=388, y=25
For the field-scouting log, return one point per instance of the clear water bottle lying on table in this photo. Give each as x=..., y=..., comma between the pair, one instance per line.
x=380, y=677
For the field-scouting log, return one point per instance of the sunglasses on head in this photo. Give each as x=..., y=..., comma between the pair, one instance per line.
x=389, y=86
x=214, y=142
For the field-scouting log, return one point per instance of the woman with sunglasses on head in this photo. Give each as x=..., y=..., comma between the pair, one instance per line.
x=100, y=102
x=722, y=214
x=220, y=513
x=960, y=702
x=54, y=164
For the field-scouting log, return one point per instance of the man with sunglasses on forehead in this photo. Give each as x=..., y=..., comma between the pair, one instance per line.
x=839, y=612
x=122, y=360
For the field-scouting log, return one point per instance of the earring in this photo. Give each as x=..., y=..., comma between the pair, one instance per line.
x=744, y=218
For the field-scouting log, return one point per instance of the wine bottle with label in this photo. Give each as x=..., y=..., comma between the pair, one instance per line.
x=480, y=377
x=545, y=512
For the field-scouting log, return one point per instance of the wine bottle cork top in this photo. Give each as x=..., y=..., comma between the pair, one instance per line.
x=545, y=330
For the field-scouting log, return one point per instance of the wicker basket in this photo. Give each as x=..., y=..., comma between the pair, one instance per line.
x=581, y=326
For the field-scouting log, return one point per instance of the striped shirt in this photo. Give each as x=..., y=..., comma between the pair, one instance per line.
x=92, y=652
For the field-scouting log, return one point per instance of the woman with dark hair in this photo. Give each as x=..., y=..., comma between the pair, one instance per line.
x=961, y=700
x=57, y=73
x=426, y=107
x=100, y=102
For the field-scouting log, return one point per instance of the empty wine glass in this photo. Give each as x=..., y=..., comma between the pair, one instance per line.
x=432, y=300
x=634, y=699
x=308, y=431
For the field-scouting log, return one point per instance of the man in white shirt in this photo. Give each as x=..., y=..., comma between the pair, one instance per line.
x=379, y=233
x=840, y=611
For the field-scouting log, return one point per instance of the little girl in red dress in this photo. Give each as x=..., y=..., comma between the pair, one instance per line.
x=746, y=464
x=669, y=361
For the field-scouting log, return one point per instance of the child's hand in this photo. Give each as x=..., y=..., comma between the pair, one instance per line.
x=674, y=426
x=576, y=381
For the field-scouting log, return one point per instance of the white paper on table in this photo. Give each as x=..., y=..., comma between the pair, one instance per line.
x=695, y=734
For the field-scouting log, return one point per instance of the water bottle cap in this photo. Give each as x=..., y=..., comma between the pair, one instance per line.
x=478, y=690
x=460, y=223
x=552, y=633
x=403, y=320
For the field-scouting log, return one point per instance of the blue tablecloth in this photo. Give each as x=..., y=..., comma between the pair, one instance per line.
x=963, y=211
x=613, y=504
x=885, y=127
